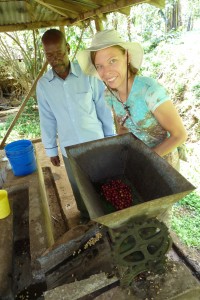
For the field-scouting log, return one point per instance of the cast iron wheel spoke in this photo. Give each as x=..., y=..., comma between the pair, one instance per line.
x=140, y=246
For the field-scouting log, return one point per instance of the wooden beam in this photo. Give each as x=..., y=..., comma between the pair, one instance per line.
x=62, y=29
x=23, y=105
x=70, y=5
x=115, y=7
x=36, y=140
x=59, y=11
x=125, y=11
x=157, y=3
x=75, y=19
x=34, y=25
x=60, y=7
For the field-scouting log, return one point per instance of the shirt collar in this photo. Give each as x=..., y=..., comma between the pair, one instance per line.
x=50, y=75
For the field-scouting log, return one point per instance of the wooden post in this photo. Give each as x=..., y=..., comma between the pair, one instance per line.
x=98, y=24
x=23, y=105
x=62, y=29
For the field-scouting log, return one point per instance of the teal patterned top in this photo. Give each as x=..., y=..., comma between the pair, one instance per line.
x=145, y=96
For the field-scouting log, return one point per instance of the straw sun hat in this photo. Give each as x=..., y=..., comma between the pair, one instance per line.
x=104, y=39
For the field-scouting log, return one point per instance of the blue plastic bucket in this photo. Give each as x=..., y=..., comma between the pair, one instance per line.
x=21, y=157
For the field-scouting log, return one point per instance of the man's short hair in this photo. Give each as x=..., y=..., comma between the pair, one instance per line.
x=53, y=35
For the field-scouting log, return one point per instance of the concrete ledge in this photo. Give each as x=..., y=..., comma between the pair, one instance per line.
x=79, y=289
x=37, y=228
x=176, y=284
x=6, y=244
x=45, y=207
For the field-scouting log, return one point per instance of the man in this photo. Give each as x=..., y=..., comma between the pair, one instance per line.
x=71, y=105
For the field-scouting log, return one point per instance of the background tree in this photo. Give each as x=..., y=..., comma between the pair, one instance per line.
x=21, y=56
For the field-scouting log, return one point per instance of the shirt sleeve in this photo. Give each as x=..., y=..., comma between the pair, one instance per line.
x=48, y=123
x=156, y=94
x=104, y=113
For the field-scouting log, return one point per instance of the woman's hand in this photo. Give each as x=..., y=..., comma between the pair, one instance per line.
x=168, y=117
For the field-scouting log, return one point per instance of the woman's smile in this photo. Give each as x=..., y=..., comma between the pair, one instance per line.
x=111, y=79
x=111, y=65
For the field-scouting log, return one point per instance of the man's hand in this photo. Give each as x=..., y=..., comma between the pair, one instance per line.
x=55, y=160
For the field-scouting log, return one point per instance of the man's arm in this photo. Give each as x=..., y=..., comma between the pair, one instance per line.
x=48, y=124
x=103, y=111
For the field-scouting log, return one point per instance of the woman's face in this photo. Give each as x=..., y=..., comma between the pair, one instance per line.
x=111, y=65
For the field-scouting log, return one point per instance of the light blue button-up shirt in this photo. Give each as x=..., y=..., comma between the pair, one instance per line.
x=74, y=109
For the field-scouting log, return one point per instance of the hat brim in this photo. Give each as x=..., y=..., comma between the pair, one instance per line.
x=84, y=56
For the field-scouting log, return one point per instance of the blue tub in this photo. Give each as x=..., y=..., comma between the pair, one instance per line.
x=21, y=157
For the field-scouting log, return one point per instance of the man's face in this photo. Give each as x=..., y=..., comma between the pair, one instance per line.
x=56, y=53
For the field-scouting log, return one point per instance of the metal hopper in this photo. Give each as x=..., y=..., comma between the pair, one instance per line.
x=138, y=236
x=155, y=183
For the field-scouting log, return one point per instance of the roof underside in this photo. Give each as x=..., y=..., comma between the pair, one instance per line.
x=31, y=14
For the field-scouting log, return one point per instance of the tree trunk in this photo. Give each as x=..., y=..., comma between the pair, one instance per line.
x=190, y=23
x=174, y=17
x=129, y=28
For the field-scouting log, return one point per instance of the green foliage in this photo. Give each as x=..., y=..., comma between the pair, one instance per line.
x=153, y=42
x=27, y=125
x=186, y=219
x=179, y=90
x=191, y=201
x=196, y=90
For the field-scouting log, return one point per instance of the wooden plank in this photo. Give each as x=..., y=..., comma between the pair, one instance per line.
x=84, y=263
x=36, y=140
x=125, y=11
x=58, y=218
x=114, y=7
x=10, y=111
x=34, y=25
x=45, y=206
x=60, y=7
x=67, y=246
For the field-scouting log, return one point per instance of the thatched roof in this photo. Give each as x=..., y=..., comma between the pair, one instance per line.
x=32, y=14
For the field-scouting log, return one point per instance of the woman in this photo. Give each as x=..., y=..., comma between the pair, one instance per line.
x=140, y=104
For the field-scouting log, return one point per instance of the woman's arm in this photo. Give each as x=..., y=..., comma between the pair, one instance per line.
x=169, y=119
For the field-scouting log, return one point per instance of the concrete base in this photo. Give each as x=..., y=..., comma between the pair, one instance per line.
x=79, y=289
x=176, y=284
x=21, y=187
x=42, y=233
x=6, y=256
